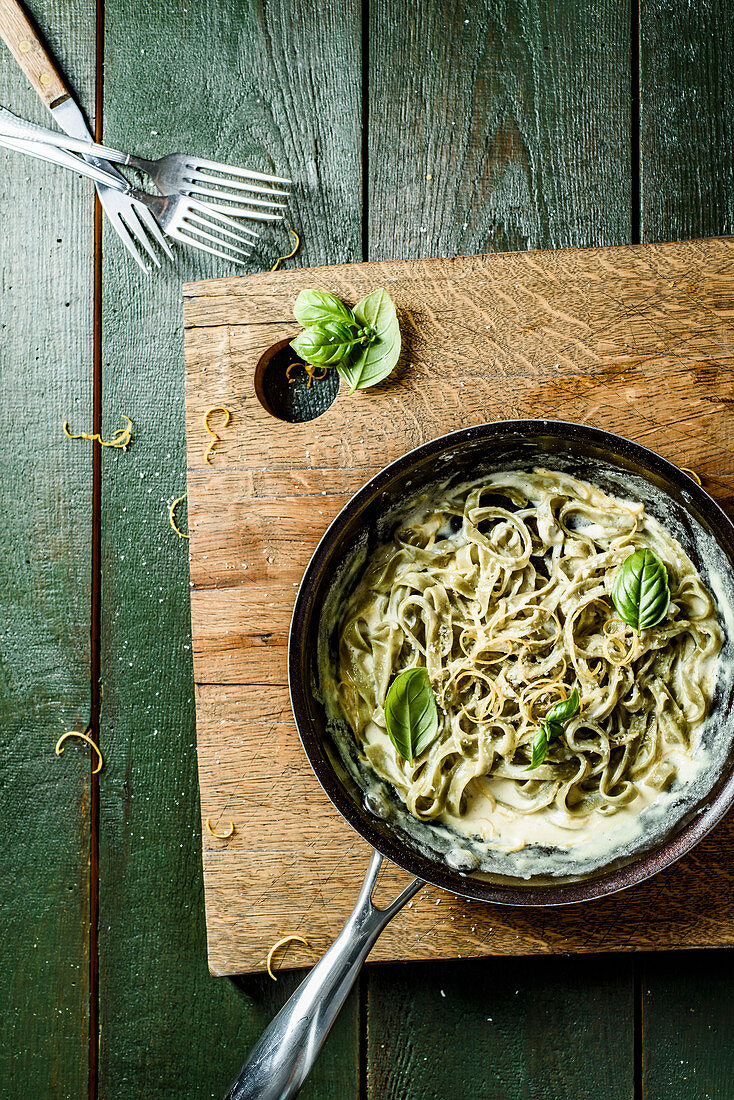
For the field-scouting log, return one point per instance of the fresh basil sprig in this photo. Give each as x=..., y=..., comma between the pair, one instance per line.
x=640, y=591
x=329, y=342
x=552, y=726
x=410, y=713
x=363, y=344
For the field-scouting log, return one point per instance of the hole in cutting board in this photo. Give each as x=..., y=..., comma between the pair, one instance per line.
x=293, y=401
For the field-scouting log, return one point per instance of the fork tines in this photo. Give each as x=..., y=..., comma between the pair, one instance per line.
x=209, y=180
x=196, y=225
x=244, y=173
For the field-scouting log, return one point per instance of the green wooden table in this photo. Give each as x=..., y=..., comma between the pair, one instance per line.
x=414, y=129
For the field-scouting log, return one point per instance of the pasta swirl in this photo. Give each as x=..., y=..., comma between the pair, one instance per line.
x=502, y=590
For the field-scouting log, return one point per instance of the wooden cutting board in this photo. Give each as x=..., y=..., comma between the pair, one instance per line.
x=638, y=340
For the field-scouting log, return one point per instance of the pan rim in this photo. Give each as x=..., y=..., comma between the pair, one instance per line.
x=640, y=867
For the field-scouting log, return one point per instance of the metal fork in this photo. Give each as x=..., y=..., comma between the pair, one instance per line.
x=131, y=220
x=190, y=221
x=182, y=218
x=175, y=174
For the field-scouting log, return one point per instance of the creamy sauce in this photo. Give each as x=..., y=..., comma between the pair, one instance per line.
x=494, y=815
x=501, y=823
x=494, y=829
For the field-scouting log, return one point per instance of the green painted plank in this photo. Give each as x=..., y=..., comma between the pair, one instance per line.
x=687, y=1020
x=687, y=186
x=269, y=86
x=493, y=126
x=503, y=131
x=46, y=249
x=686, y=108
x=501, y=1029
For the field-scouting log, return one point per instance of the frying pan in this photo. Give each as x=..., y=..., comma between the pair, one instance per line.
x=281, y=1060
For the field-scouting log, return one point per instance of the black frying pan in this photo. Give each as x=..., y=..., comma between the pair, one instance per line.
x=283, y=1057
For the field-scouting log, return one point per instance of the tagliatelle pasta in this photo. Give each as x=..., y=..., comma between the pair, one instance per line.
x=502, y=590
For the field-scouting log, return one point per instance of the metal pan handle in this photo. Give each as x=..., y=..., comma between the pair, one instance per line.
x=284, y=1055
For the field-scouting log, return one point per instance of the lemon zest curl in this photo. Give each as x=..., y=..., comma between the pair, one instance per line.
x=120, y=439
x=84, y=737
x=172, y=516
x=290, y=255
x=220, y=836
x=279, y=944
x=310, y=371
x=216, y=438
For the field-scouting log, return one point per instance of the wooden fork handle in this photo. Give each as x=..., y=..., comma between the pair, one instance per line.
x=23, y=41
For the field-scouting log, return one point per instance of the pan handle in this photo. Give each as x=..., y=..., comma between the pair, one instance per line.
x=284, y=1055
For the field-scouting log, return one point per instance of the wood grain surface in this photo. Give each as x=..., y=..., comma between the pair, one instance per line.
x=637, y=340
x=46, y=245
x=528, y=140
x=167, y=1028
x=686, y=103
x=557, y=1028
x=526, y=146
x=687, y=182
x=24, y=42
x=524, y=113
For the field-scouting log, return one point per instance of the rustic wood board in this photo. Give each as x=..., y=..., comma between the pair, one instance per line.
x=638, y=340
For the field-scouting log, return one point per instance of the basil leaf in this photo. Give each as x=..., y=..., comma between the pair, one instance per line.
x=370, y=366
x=562, y=712
x=315, y=306
x=640, y=591
x=552, y=727
x=540, y=747
x=410, y=713
x=552, y=730
x=327, y=343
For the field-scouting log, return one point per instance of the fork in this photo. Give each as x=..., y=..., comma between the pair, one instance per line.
x=131, y=220
x=181, y=217
x=175, y=174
